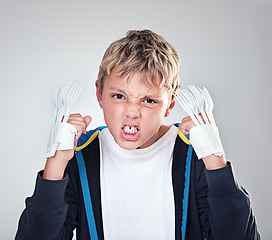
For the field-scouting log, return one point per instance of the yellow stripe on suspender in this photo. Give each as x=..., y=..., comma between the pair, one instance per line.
x=181, y=135
x=88, y=142
x=183, y=138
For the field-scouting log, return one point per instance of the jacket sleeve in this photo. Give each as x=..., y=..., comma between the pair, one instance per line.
x=224, y=207
x=45, y=215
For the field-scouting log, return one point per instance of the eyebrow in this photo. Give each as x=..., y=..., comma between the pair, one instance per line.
x=145, y=97
x=117, y=89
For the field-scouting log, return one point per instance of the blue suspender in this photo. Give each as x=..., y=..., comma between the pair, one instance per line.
x=186, y=191
x=86, y=195
x=88, y=201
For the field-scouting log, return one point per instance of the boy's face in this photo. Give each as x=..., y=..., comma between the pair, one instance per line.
x=133, y=111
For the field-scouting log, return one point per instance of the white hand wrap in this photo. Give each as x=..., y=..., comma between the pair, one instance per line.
x=204, y=136
x=62, y=137
x=206, y=141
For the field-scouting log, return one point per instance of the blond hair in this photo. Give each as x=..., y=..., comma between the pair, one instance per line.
x=143, y=51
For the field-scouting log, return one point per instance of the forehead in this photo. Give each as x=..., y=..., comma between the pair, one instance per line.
x=117, y=75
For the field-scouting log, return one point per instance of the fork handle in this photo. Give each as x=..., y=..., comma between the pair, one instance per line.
x=66, y=114
x=60, y=114
x=204, y=115
x=190, y=113
x=198, y=117
x=210, y=116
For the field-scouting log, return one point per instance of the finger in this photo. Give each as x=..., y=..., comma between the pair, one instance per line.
x=75, y=116
x=184, y=131
x=186, y=119
x=79, y=124
x=185, y=125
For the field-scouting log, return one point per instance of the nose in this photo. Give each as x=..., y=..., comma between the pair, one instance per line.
x=132, y=110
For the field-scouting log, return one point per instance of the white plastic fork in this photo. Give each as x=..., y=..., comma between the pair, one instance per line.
x=184, y=103
x=71, y=99
x=58, y=101
x=64, y=98
x=189, y=96
x=55, y=103
x=208, y=104
x=200, y=100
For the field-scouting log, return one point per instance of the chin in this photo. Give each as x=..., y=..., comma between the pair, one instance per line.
x=128, y=145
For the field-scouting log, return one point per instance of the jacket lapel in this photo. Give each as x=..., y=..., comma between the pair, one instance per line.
x=178, y=179
x=91, y=155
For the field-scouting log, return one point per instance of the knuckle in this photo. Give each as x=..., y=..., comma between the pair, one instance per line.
x=75, y=115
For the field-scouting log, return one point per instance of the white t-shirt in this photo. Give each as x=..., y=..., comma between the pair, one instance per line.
x=136, y=189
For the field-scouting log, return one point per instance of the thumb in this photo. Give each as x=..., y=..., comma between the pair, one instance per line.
x=87, y=120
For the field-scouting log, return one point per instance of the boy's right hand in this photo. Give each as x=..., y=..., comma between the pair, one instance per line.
x=80, y=123
x=55, y=166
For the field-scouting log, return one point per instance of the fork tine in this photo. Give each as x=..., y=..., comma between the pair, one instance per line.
x=186, y=106
x=71, y=92
x=72, y=98
x=200, y=101
x=183, y=97
x=180, y=99
x=68, y=98
x=208, y=104
x=193, y=102
x=180, y=102
x=76, y=92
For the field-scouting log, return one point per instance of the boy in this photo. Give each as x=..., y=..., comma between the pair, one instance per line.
x=137, y=178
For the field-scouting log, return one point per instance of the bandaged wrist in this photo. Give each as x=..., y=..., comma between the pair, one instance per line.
x=62, y=137
x=206, y=141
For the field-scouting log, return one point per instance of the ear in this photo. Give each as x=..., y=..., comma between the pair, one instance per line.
x=98, y=95
x=170, y=108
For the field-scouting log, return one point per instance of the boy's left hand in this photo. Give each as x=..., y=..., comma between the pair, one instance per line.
x=185, y=125
x=211, y=162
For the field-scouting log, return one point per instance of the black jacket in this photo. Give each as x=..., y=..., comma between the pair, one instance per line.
x=218, y=207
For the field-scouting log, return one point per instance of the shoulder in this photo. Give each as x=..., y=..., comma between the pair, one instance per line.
x=86, y=139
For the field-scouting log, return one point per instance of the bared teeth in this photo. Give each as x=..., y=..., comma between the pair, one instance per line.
x=130, y=130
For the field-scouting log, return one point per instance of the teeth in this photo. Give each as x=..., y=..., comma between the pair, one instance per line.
x=130, y=130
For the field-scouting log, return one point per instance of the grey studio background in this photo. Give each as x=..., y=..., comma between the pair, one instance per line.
x=224, y=46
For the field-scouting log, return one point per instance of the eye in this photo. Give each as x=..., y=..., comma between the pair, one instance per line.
x=118, y=96
x=150, y=101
